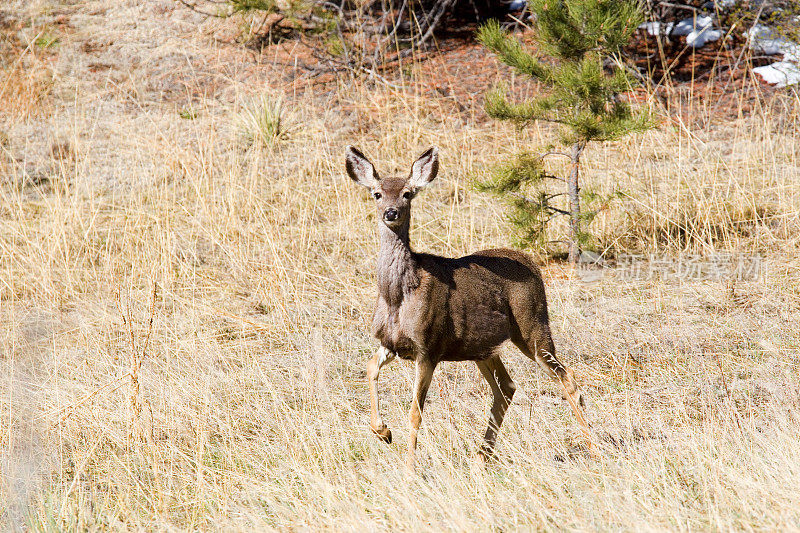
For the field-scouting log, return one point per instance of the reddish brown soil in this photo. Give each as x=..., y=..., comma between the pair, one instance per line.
x=691, y=85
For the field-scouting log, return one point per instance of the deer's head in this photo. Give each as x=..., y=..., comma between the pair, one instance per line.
x=393, y=195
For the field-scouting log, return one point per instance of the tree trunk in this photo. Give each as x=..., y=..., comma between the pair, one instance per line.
x=573, y=191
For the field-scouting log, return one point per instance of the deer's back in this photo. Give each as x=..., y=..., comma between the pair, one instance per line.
x=496, y=269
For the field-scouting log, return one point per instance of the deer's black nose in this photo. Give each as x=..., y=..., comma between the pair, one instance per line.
x=390, y=215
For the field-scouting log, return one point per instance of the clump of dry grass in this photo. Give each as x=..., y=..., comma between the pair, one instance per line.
x=236, y=287
x=263, y=122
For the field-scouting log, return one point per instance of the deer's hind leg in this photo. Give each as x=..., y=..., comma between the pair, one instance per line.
x=537, y=343
x=503, y=387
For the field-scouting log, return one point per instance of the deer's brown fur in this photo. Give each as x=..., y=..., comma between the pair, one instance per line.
x=431, y=309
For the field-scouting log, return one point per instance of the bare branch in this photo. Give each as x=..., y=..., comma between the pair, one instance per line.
x=553, y=152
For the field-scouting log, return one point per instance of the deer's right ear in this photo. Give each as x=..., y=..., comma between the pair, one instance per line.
x=360, y=169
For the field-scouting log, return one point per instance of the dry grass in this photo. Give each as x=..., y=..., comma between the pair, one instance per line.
x=185, y=316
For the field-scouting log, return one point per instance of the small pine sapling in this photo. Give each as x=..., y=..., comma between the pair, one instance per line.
x=579, y=64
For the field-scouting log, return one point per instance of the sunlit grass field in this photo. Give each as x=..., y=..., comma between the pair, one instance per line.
x=186, y=294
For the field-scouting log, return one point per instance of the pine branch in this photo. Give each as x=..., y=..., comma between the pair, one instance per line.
x=511, y=51
x=579, y=64
x=497, y=106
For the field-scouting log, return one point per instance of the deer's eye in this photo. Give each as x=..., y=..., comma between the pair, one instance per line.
x=407, y=195
x=377, y=195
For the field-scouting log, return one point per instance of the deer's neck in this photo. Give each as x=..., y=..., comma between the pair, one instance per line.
x=397, y=269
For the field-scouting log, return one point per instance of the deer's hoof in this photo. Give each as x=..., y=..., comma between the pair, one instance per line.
x=571, y=388
x=486, y=454
x=577, y=396
x=383, y=433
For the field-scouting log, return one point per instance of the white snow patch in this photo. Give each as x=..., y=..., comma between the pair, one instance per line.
x=698, y=31
x=654, y=28
x=687, y=26
x=698, y=38
x=780, y=74
x=763, y=39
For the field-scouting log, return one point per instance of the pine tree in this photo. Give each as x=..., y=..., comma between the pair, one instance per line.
x=579, y=64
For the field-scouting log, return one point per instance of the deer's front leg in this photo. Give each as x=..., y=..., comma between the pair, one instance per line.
x=381, y=357
x=422, y=380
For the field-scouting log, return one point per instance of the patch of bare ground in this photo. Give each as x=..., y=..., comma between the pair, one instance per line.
x=186, y=287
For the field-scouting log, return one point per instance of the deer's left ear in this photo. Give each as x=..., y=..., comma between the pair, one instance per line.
x=424, y=169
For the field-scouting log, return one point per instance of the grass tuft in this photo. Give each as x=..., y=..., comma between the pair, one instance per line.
x=264, y=122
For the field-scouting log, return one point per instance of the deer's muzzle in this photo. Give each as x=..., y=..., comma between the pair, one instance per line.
x=390, y=215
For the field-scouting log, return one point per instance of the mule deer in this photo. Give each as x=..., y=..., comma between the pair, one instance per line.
x=433, y=309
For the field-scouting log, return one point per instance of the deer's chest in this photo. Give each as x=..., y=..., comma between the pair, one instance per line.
x=396, y=326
